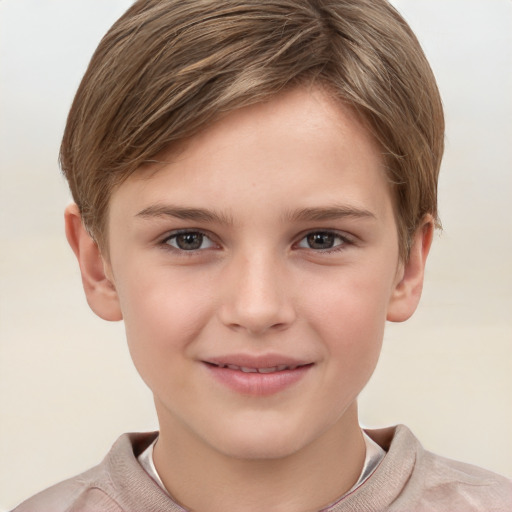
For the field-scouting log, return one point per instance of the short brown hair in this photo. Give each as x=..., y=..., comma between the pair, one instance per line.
x=168, y=68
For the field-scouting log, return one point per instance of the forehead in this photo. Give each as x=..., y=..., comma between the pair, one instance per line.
x=298, y=149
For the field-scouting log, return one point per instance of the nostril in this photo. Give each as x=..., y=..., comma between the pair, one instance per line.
x=255, y=305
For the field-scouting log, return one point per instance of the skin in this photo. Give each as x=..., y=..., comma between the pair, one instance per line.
x=267, y=176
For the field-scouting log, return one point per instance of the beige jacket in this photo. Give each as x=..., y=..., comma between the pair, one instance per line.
x=409, y=479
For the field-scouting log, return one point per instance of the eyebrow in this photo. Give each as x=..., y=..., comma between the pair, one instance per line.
x=329, y=213
x=300, y=215
x=185, y=213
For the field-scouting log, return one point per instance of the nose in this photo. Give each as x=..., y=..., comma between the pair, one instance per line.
x=257, y=295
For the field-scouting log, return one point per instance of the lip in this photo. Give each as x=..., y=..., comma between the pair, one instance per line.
x=260, y=375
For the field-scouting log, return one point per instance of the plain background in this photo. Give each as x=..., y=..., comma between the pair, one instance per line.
x=67, y=386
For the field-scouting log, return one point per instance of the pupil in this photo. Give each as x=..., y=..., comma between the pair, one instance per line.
x=321, y=240
x=189, y=241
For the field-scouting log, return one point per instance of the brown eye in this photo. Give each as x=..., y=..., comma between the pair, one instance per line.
x=189, y=241
x=322, y=240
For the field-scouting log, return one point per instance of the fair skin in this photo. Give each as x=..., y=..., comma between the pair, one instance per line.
x=268, y=242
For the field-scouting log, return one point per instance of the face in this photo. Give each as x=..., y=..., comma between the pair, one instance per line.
x=254, y=270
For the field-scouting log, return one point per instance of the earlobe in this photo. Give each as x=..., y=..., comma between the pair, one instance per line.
x=99, y=288
x=407, y=291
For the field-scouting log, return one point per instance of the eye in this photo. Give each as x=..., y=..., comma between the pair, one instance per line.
x=189, y=241
x=322, y=240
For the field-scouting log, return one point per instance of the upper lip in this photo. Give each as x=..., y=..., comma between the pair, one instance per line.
x=257, y=361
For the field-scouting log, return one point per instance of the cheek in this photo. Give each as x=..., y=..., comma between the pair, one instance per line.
x=163, y=314
x=352, y=329
x=349, y=315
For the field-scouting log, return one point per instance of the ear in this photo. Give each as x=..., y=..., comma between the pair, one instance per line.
x=407, y=291
x=96, y=273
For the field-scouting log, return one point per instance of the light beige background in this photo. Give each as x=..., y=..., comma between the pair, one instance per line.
x=67, y=387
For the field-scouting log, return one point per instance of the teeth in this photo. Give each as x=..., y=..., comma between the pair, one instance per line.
x=270, y=370
x=246, y=369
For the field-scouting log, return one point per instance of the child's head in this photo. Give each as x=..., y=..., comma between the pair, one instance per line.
x=261, y=180
x=167, y=69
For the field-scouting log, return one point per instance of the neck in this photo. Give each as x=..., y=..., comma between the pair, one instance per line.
x=204, y=479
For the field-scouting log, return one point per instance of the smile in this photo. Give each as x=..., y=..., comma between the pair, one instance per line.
x=260, y=376
x=271, y=369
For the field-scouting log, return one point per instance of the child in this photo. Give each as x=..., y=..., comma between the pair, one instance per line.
x=255, y=195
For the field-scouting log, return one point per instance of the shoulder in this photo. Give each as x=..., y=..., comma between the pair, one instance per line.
x=466, y=486
x=83, y=493
x=438, y=483
x=96, y=489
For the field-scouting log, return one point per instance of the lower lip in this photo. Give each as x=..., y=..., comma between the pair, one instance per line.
x=257, y=384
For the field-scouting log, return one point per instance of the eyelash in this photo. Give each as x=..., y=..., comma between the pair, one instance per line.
x=165, y=242
x=345, y=239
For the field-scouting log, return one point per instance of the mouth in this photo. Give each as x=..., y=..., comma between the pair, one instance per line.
x=267, y=369
x=257, y=376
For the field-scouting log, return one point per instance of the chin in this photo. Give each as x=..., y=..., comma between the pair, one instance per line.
x=259, y=442
x=258, y=449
